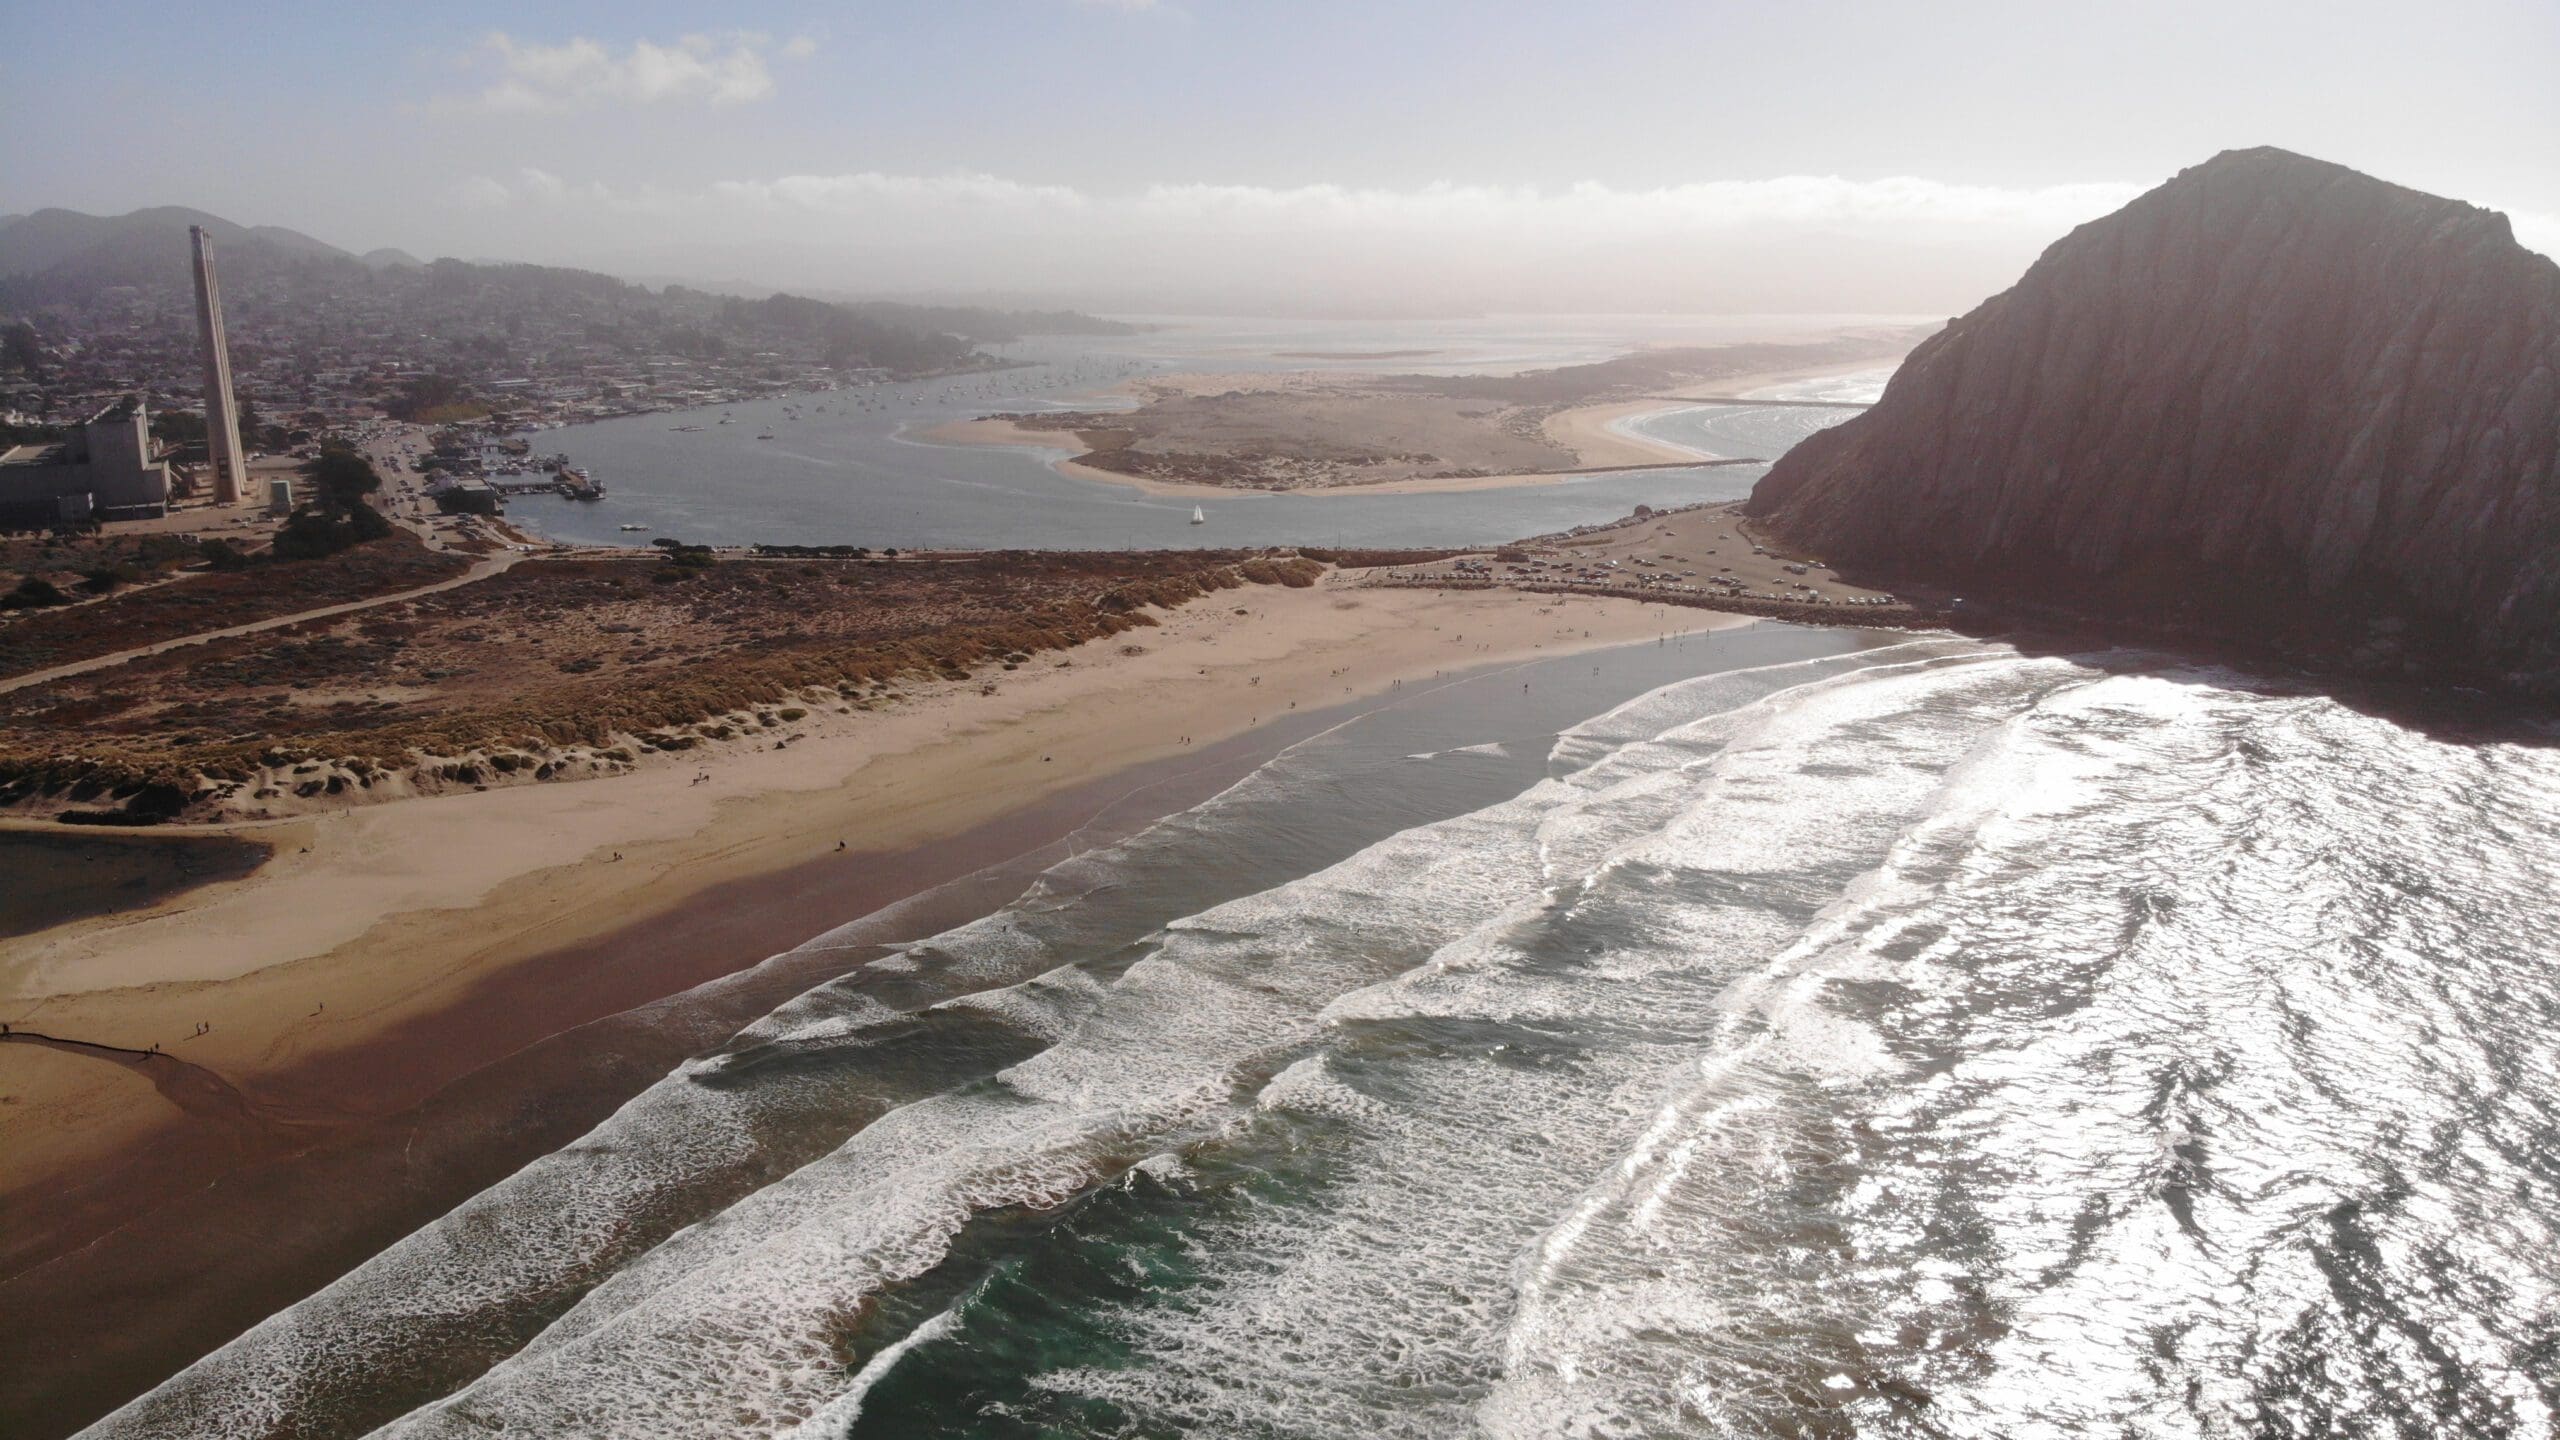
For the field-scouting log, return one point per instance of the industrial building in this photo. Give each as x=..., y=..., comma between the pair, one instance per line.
x=104, y=470
x=221, y=409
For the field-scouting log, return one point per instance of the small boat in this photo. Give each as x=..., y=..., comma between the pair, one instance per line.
x=766, y=435
x=1197, y=518
x=631, y=527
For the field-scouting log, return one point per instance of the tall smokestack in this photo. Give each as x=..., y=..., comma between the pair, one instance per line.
x=221, y=414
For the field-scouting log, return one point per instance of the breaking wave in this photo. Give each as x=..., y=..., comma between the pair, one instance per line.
x=1932, y=1040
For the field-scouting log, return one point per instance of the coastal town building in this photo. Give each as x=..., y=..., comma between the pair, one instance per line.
x=103, y=470
x=314, y=344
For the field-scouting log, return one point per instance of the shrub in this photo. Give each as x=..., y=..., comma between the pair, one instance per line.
x=34, y=592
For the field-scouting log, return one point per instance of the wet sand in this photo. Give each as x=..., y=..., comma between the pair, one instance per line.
x=138, y=1267
x=58, y=876
x=1598, y=434
x=435, y=990
x=370, y=914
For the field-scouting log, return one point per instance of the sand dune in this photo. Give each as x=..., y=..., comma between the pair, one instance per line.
x=370, y=919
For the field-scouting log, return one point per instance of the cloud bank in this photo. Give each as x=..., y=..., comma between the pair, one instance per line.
x=582, y=74
x=1800, y=242
x=1588, y=209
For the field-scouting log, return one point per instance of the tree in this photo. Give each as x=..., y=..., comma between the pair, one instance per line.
x=336, y=516
x=33, y=593
x=112, y=575
x=22, y=349
x=177, y=427
x=256, y=433
x=340, y=476
x=432, y=397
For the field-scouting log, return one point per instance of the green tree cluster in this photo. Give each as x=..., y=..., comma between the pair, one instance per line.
x=335, y=517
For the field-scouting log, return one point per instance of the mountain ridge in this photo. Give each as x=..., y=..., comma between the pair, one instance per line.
x=56, y=254
x=47, y=239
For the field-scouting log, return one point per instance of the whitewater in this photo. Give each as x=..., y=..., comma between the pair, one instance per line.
x=1894, y=1037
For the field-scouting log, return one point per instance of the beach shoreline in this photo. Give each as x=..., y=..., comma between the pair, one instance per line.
x=1645, y=455
x=1604, y=434
x=409, y=998
x=345, y=1004
x=135, y=1280
x=368, y=916
x=1599, y=434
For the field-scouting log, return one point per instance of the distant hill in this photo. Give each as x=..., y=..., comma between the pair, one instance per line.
x=976, y=322
x=65, y=276
x=111, y=249
x=55, y=256
x=2273, y=398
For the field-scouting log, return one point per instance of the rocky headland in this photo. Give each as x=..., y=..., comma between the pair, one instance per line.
x=2273, y=399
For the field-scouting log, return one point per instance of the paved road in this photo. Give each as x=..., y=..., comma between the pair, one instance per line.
x=494, y=565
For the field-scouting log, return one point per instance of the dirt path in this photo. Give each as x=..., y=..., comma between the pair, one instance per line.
x=494, y=565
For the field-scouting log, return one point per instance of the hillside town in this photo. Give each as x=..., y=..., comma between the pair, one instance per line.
x=320, y=338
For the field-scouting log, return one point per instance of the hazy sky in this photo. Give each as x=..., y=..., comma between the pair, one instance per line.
x=1790, y=155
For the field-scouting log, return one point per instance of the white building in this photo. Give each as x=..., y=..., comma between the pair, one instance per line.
x=104, y=470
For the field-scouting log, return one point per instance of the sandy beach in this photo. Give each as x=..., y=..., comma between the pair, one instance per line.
x=1001, y=432
x=372, y=916
x=1591, y=432
x=1599, y=435
x=414, y=997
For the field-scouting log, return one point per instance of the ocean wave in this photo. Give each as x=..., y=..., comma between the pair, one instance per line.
x=1935, y=1040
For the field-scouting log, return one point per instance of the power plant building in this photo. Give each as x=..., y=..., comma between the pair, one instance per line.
x=103, y=470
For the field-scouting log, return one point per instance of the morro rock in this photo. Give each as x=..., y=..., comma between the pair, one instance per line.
x=2272, y=397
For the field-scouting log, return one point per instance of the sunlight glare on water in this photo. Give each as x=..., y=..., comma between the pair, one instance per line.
x=1923, y=1039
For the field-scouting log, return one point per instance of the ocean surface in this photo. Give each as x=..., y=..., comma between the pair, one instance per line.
x=850, y=467
x=1783, y=1033
x=1806, y=1033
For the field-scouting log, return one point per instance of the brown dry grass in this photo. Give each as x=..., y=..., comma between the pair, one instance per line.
x=192, y=603
x=1308, y=436
x=571, y=658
